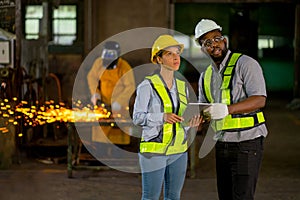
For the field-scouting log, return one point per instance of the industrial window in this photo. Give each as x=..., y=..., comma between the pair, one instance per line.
x=265, y=43
x=33, y=16
x=270, y=46
x=64, y=23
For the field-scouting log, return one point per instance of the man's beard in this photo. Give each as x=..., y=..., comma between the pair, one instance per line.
x=220, y=58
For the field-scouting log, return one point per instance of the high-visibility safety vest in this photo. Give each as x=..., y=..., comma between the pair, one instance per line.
x=171, y=139
x=235, y=122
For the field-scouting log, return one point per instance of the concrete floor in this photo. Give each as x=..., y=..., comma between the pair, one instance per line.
x=279, y=178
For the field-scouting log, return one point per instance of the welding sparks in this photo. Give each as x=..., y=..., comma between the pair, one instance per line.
x=50, y=113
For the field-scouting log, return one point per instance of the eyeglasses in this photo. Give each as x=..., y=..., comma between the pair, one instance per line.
x=209, y=42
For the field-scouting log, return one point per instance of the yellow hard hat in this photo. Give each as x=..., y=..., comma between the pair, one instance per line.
x=163, y=42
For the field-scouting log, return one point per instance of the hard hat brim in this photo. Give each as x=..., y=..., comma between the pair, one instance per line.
x=181, y=47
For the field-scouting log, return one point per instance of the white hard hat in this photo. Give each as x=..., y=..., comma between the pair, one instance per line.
x=205, y=26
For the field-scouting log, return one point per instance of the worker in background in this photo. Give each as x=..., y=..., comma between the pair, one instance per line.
x=111, y=74
x=160, y=102
x=235, y=86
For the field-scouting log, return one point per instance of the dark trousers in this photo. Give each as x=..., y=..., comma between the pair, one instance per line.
x=237, y=165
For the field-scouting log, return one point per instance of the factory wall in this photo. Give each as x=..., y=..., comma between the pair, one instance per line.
x=101, y=20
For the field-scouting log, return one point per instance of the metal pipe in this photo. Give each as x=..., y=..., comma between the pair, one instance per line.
x=57, y=84
x=297, y=52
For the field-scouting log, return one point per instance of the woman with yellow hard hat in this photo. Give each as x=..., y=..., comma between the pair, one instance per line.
x=160, y=102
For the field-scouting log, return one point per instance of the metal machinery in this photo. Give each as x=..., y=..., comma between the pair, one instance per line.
x=76, y=159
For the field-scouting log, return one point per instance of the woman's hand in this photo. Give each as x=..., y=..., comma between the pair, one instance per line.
x=172, y=118
x=196, y=121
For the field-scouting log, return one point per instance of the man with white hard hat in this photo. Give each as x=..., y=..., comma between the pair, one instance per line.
x=235, y=86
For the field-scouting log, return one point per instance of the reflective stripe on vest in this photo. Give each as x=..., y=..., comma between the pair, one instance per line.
x=173, y=135
x=230, y=122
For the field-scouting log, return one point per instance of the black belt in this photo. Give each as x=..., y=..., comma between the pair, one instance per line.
x=236, y=144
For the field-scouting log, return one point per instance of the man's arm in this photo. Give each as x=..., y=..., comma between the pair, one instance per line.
x=94, y=75
x=248, y=105
x=254, y=85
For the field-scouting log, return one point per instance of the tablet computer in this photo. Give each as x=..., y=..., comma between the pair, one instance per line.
x=194, y=109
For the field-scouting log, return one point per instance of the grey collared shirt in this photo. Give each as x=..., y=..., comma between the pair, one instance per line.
x=248, y=80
